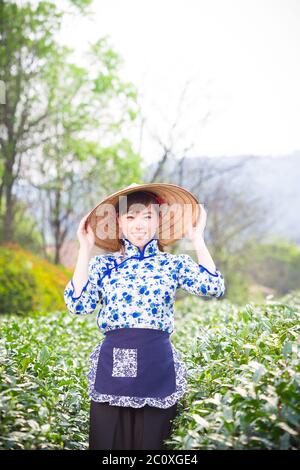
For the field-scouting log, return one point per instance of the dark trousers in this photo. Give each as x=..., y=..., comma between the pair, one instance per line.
x=125, y=428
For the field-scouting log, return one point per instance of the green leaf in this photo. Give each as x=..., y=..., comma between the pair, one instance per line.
x=44, y=355
x=201, y=421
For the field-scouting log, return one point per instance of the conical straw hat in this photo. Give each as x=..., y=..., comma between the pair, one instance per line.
x=178, y=206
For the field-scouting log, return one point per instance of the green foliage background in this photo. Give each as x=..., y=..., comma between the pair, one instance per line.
x=243, y=382
x=29, y=283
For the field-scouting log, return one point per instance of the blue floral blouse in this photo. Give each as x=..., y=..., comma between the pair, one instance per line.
x=138, y=290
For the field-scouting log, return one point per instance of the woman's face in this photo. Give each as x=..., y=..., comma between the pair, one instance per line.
x=139, y=224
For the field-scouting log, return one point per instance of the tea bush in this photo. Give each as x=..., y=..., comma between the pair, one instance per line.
x=243, y=377
x=43, y=398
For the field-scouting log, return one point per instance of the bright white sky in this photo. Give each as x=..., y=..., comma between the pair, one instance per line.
x=241, y=57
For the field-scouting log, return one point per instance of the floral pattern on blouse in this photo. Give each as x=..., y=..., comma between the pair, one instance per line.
x=139, y=288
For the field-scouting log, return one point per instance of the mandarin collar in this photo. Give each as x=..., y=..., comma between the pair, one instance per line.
x=149, y=249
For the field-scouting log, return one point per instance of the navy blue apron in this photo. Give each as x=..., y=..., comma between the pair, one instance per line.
x=136, y=362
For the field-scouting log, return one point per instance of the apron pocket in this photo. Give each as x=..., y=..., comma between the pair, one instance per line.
x=124, y=362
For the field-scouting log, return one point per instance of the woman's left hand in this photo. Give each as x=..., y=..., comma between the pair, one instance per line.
x=197, y=233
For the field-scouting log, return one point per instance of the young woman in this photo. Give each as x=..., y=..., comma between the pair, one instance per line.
x=136, y=376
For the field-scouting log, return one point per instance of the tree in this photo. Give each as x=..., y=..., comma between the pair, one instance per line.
x=72, y=163
x=55, y=116
x=26, y=43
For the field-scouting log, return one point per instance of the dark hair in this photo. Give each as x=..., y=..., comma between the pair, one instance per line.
x=139, y=197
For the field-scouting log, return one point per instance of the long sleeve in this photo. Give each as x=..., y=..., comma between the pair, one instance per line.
x=90, y=295
x=198, y=280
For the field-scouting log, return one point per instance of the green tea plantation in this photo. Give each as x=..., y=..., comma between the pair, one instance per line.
x=243, y=377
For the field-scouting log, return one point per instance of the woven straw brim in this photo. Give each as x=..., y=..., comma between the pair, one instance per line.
x=181, y=208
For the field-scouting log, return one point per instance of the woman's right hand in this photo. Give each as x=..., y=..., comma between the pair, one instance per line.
x=85, y=236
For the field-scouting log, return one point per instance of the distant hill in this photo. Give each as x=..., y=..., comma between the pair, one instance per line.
x=275, y=179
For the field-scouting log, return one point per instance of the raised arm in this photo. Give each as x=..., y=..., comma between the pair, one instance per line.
x=197, y=279
x=82, y=293
x=202, y=278
x=90, y=295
